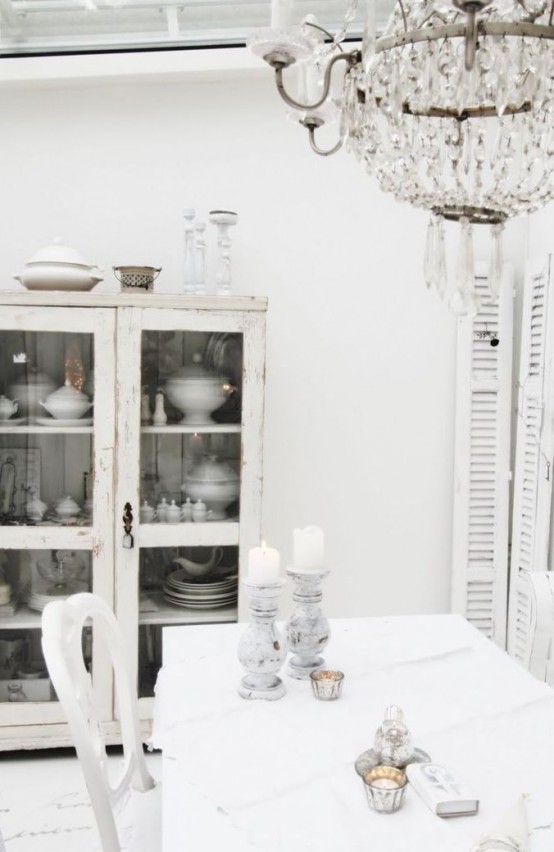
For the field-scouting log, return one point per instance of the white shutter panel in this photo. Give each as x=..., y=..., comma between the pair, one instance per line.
x=534, y=450
x=482, y=463
x=532, y=630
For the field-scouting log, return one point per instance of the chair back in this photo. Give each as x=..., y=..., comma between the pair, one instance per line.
x=62, y=629
x=532, y=630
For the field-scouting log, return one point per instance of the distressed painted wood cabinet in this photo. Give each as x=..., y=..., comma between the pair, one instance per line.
x=78, y=486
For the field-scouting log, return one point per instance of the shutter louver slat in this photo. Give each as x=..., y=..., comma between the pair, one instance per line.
x=532, y=482
x=480, y=540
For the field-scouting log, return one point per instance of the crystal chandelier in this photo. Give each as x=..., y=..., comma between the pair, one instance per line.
x=451, y=108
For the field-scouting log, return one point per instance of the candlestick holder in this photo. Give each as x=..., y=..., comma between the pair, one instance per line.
x=307, y=628
x=262, y=648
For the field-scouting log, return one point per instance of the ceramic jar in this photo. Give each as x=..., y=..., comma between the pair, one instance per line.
x=215, y=483
x=186, y=510
x=36, y=508
x=161, y=511
x=8, y=407
x=28, y=392
x=66, y=508
x=173, y=513
x=147, y=513
x=67, y=403
x=58, y=267
x=196, y=391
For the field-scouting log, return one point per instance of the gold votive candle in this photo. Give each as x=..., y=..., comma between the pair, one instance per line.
x=327, y=684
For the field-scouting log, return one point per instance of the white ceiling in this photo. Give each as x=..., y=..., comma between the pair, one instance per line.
x=62, y=26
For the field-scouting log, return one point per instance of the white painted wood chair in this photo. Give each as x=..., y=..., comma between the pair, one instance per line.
x=127, y=808
x=532, y=627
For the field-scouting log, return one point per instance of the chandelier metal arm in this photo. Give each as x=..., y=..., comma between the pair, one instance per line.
x=314, y=146
x=353, y=58
x=322, y=30
x=311, y=123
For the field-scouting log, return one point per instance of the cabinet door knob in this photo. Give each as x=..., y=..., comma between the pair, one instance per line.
x=128, y=541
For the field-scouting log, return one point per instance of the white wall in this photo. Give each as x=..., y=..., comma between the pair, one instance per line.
x=360, y=373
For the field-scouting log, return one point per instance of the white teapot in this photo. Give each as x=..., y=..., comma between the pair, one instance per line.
x=8, y=407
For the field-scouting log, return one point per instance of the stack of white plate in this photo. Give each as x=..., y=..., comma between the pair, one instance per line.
x=181, y=590
x=38, y=599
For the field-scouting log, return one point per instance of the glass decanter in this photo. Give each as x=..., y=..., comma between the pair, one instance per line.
x=62, y=571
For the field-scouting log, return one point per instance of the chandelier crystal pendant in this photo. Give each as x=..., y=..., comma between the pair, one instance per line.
x=451, y=109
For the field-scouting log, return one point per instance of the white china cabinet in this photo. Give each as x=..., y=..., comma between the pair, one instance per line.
x=150, y=498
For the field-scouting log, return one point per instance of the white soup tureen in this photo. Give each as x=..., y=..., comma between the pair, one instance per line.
x=66, y=403
x=58, y=267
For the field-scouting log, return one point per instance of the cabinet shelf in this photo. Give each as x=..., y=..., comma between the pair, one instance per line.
x=23, y=619
x=182, y=429
x=167, y=614
x=188, y=534
x=46, y=430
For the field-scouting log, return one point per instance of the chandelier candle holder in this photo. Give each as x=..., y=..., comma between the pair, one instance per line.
x=451, y=109
x=262, y=648
x=307, y=628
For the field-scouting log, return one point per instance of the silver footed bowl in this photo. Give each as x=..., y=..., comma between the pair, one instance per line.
x=370, y=758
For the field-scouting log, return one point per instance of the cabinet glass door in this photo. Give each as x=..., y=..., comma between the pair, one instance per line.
x=184, y=419
x=56, y=503
x=46, y=428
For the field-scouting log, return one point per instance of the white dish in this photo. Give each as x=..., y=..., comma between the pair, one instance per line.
x=201, y=605
x=54, y=421
x=12, y=421
x=216, y=596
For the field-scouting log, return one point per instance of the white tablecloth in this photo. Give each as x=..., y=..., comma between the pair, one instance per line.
x=279, y=776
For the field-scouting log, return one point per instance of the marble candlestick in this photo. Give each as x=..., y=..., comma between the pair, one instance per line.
x=262, y=648
x=307, y=629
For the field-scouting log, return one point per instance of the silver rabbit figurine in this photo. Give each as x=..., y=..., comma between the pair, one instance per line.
x=393, y=742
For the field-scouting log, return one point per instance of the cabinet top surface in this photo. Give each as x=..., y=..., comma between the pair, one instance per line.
x=56, y=299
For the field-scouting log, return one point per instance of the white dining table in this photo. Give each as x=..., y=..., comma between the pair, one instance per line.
x=278, y=776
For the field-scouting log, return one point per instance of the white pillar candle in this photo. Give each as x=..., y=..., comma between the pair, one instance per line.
x=308, y=549
x=263, y=565
x=281, y=14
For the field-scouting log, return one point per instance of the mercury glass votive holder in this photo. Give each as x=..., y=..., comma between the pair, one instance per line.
x=385, y=787
x=326, y=684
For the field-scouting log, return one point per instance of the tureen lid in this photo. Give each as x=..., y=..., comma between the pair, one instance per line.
x=197, y=371
x=68, y=392
x=212, y=470
x=57, y=252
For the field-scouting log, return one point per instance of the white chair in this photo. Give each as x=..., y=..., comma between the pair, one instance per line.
x=531, y=631
x=113, y=801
